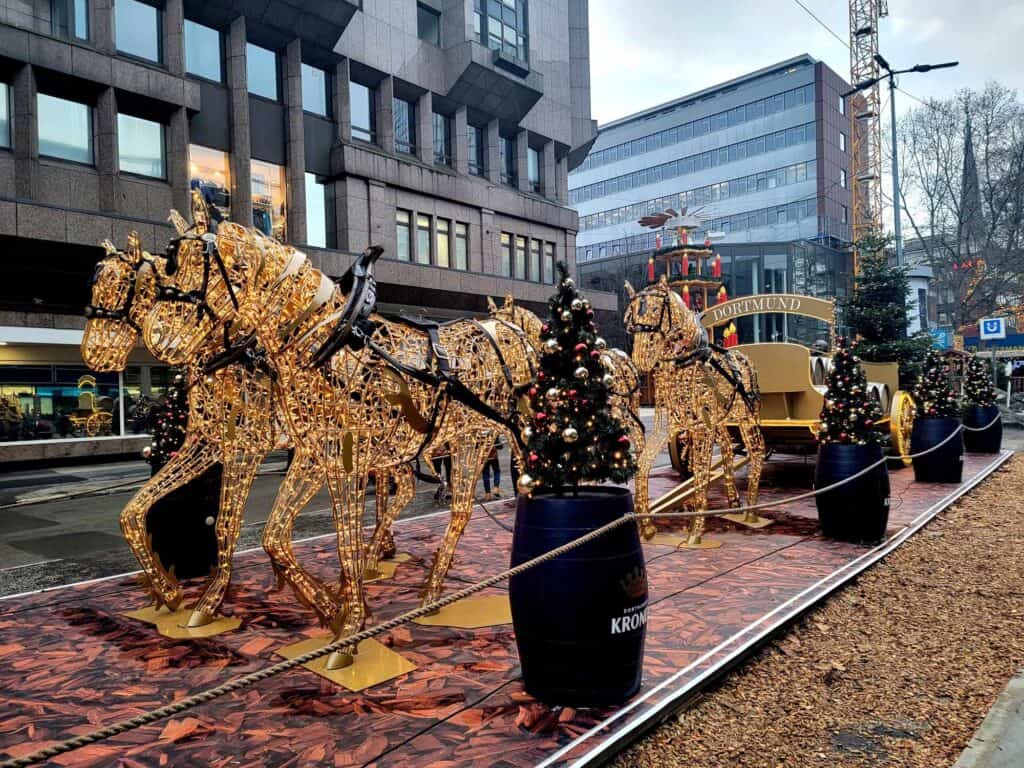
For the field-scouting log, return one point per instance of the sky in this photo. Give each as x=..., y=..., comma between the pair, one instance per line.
x=645, y=52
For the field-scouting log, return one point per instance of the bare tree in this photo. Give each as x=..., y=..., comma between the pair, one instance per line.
x=962, y=193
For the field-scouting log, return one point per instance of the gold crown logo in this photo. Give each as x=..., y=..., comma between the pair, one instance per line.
x=634, y=583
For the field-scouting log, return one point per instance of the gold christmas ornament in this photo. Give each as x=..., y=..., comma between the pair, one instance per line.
x=576, y=304
x=551, y=346
x=600, y=344
x=570, y=435
x=525, y=483
x=581, y=373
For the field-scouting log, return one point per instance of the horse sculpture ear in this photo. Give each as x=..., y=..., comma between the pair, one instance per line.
x=491, y=306
x=134, y=248
x=630, y=291
x=510, y=301
x=178, y=222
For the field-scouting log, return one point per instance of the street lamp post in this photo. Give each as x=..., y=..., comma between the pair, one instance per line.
x=891, y=77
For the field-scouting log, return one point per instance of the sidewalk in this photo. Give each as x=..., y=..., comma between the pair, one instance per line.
x=999, y=742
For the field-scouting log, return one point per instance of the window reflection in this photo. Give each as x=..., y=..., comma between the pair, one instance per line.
x=210, y=173
x=405, y=126
x=5, y=115
x=443, y=242
x=403, y=235
x=41, y=402
x=269, y=210
x=422, y=239
x=137, y=29
x=261, y=71
x=203, y=51
x=361, y=111
x=314, y=90
x=316, y=212
x=140, y=145
x=65, y=129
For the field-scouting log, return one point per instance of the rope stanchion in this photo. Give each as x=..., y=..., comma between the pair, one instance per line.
x=350, y=641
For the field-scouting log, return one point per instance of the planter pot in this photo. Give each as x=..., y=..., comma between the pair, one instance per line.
x=989, y=440
x=581, y=618
x=180, y=523
x=944, y=465
x=859, y=510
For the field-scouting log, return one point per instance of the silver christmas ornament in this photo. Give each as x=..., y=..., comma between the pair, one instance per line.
x=570, y=435
x=581, y=373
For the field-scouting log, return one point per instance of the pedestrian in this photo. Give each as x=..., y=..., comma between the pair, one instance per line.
x=492, y=472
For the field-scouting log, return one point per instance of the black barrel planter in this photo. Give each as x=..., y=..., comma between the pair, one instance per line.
x=859, y=510
x=182, y=525
x=988, y=440
x=581, y=618
x=945, y=464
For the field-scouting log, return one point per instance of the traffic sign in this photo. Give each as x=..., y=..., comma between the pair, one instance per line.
x=992, y=328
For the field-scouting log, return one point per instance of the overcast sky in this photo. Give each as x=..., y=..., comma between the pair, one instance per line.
x=644, y=52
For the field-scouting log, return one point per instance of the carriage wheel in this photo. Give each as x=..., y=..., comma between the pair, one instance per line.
x=901, y=422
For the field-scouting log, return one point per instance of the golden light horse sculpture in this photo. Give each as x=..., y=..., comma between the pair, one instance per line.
x=357, y=392
x=698, y=389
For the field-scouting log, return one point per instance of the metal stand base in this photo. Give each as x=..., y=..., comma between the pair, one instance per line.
x=472, y=613
x=175, y=624
x=373, y=664
x=702, y=544
x=387, y=568
x=750, y=521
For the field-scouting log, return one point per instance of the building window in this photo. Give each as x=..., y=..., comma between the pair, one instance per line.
x=362, y=112
x=461, y=245
x=519, y=266
x=405, y=126
x=534, y=273
x=505, y=267
x=65, y=129
x=5, y=115
x=316, y=212
x=503, y=27
x=203, y=52
x=140, y=146
x=842, y=141
x=423, y=239
x=842, y=105
x=846, y=215
x=137, y=29
x=314, y=90
x=533, y=168
x=444, y=244
x=842, y=178
x=261, y=71
x=507, y=150
x=442, y=139
x=403, y=235
x=549, y=263
x=69, y=19
x=475, y=150
x=209, y=172
x=428, y=24
x=269, y=204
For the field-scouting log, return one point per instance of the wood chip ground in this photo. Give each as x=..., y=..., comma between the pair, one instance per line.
x=896, y=670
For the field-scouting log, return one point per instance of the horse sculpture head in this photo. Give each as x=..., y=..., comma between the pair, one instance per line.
x=517, y=315
x=662, y=326
x=123, y=288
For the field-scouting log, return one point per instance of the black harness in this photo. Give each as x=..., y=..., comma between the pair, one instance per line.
x=702, y=353
x=122, y=315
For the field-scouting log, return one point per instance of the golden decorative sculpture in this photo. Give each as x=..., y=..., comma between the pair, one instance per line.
x=358, y=393
x=698, y=389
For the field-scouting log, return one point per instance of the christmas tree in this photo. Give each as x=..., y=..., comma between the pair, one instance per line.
x=934, y=394
x=978, y=387
x=168, y=423
x=850, y=416
x=574, y=437
x=876, y=312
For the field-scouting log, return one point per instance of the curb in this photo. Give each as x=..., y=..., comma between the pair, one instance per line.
x=999, y=740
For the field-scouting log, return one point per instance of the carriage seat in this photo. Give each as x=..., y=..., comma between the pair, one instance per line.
x=784, y=380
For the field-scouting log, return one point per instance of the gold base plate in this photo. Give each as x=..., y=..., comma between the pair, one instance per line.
x=667, y=539
x=472, y=613
x=388, y=567
x=704, y=544
x=738, y=518
x=175, y=624
x=374, y=663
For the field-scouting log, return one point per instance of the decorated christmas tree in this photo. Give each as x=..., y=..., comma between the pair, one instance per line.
x=978, y=387
x=850, y=416
x=934, y=394
x=168, y=423
x=574, y=437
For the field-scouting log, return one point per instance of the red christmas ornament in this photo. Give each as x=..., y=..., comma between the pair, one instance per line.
x=533, y=392
x=572, y=393
x=533, y=458
x=595, y=353
x=581, y=347
x=540, y=416
x=623, y=439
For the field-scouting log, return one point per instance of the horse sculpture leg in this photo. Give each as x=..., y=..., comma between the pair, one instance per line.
x=301, y=484
x=195, y=457
x=753, y=441
x=700, y=464
x=655, y=440
x=728, y=471
x=239, y=471
x=382, y=543
x=468, y=458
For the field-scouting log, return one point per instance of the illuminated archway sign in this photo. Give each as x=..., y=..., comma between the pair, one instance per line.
x=781, y=303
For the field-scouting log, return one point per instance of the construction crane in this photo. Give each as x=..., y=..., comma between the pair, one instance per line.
x=865, y=117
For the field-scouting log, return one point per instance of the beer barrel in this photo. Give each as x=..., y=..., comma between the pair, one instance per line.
x=580, y=619
x=945, y=464
x=859, y=510
x=984, y=418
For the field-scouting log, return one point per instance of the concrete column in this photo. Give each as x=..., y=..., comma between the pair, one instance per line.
x=342, y=112
x=105, y=149
x=425, y=128
x=549, y=171
x=295, y=149
x=174, y=36
x=385, y=97
x=101, y=24
x=25, y=134
x=562, y=181
x=460, y=144
x=493, y=153
x=177, y=158
x=241, y=147
x=522, y=163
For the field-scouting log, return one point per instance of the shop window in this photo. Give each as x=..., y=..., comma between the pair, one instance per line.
x=505, y=267
x=69, y=19
x=316, y=212
x=362, y=112
x=210, y=172
x=423, y=239
x=403, y=235
x=203, y=52
x=137, y=29
x=65, y=129
x=269, y=206
x=140, y=146
x=428, y=24
x=5, y=115
x=44, y=402
x=443, y=242
x=261, y=71
x=144, y=388
x=519, y=266
x=405, y=126
x=461, y=245
x=314, y=90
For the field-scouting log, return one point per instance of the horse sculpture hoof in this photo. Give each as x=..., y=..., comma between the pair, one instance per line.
x=340, y=660
x=199, y=619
